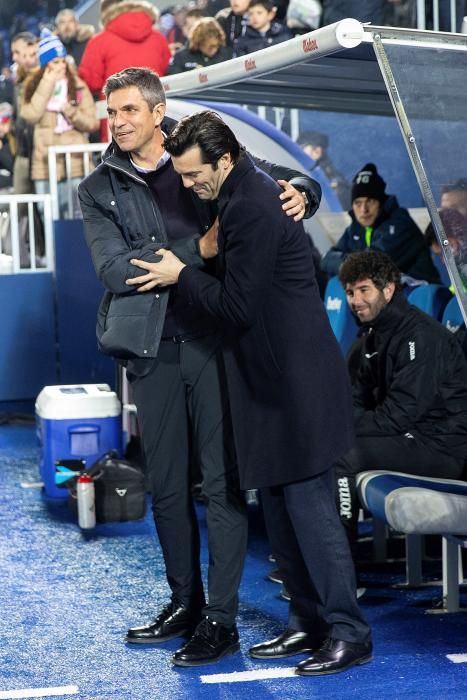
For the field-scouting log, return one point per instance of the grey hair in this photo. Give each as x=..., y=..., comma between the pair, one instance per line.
x=145, y=79
x=66, y=12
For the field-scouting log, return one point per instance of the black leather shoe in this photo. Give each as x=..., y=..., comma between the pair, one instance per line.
x=334, y=656
x=175, y=620
x=209, y=643
x=275, y=576
x=286, y=644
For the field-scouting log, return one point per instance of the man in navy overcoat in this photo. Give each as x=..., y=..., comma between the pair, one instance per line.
x=288, y=388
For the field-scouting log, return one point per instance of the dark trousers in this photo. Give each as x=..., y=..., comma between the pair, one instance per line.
x=398, y=453
x=313, y=555
x=183, y=413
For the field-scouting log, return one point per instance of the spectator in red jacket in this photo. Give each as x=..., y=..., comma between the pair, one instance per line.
x=128, y=39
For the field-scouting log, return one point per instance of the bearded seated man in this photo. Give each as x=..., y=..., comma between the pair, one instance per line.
x=409, y=390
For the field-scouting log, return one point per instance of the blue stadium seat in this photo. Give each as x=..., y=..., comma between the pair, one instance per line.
x=442, y=269
x=417, y=506
x=452, y=316
x=431, y=298
x=339, y=314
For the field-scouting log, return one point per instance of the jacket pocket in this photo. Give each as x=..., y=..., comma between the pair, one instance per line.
x=123, y=325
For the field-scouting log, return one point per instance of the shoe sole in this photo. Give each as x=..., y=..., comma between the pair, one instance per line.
x=271, y=657
x=230, y=650
x=360, y=662
x=159, y=640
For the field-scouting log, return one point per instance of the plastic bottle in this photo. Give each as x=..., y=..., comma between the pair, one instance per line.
x=86, y=503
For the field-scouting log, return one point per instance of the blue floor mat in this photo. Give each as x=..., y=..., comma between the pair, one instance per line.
x=68, y=598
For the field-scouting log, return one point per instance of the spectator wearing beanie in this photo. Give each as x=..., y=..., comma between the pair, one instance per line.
x=61, y=108
x=379, y=223
x=128, y=39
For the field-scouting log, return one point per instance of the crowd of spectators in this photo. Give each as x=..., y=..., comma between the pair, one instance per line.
x=195, y=34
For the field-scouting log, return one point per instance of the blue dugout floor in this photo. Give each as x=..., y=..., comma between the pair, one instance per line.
x=68, y=598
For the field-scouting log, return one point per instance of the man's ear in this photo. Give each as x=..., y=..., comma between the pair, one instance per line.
x=225, y=161
x=159, y=113
x=389, y=290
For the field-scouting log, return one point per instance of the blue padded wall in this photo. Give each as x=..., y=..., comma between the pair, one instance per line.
x=78, y=293
x=27, y=337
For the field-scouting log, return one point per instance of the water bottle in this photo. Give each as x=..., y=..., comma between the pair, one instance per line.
x=86, y=503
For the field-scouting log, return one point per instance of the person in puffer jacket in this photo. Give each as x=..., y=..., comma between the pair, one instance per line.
x=379, y=223
x=409, y=391
x=262, y=31
x=128, y=39
x=60, y=107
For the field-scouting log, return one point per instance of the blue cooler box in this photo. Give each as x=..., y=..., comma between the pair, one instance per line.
x=76, y=422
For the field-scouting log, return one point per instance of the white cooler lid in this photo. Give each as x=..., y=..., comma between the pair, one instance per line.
x=66, y=401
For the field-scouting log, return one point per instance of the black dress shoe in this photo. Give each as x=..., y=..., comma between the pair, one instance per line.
x=334, y=656
x=209, y=643
x=175, y=620
x=275, y=576
x=286, y=644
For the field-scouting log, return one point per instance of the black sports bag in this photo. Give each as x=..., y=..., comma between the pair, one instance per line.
x=120, y=493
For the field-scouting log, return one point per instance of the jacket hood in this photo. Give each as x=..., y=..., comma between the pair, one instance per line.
x=110, y=12
x=85, y=32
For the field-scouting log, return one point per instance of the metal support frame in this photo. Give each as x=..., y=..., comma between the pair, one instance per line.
x=419, y=169
x=14, y=202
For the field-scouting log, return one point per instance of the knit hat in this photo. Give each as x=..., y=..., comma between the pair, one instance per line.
x=368, y=183
x=6, y=112
x=50, y=47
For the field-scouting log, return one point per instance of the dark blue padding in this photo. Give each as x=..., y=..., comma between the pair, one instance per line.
x=452, y=316
x=442, y=269
x=342, y=321
x=27, y=335
x=431, y=298
x=381, y=485
x=78, y=295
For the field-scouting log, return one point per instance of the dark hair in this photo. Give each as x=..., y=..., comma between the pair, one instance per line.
x=458, y=185
x=370, y=264
x=313, y=138
x=145, y=79
x=454, y=223
x=206, y=130
x=267, y=4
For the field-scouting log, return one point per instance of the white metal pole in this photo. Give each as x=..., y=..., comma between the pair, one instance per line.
x=421, y=18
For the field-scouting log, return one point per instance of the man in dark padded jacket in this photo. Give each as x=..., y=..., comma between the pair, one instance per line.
x=410, y=390
x=379, y=223
x=133, y=204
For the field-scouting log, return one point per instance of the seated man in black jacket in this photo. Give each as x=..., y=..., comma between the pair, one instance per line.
x=410, y=391
x=379, y=223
